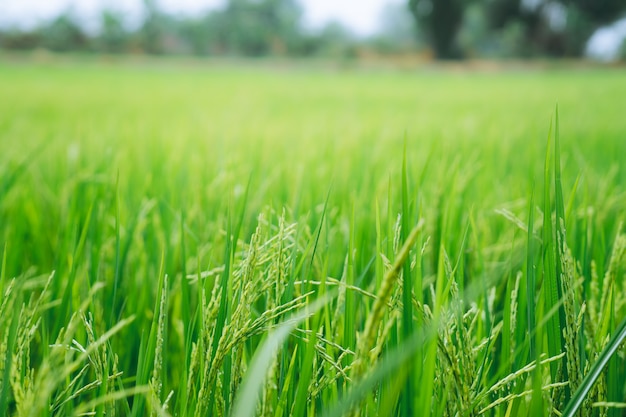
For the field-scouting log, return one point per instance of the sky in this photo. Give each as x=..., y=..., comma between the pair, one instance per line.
x=362, y=20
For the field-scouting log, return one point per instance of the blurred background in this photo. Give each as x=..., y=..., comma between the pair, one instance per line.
x=390, y=31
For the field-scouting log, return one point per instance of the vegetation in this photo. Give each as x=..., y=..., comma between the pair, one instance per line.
x=539, y=28
x=238, y=241
x=445, y=29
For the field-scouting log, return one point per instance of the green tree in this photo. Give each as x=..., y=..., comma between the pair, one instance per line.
x=153, y=30
x=335, y=40
x=440, y=21
x=397, y=30
x=63, y=34
x=113, y=37
x=521, y=30
x=585, y=16
x=551, y=27
x=197, y=33
x=259, y=27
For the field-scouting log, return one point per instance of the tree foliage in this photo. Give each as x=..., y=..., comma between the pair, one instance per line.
x=441, y=20
x=451, y=29
x=550, y=27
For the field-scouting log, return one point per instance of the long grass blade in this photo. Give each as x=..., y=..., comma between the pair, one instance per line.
x=550, y=279
x=560, y=241
x=531, y=280
x=247, y=396
x=594, y=373
x=10, y=347
x=408, y=392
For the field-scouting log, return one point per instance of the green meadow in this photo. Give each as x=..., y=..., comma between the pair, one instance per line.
x=209, y=239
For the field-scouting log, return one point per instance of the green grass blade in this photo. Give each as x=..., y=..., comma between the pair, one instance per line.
x=11, y=339
x=400, y=356
x=612, y=375
x=252, y=384
x=319, y=230
x=66, y=302
x=560, y=239
x=3, y=268
x=147, y=354
x=9, y=180
x=185, y=306
x=550, y=280
x=349, y=335
x=242, y=213
x=531, y=279
x=306, y=364
x=407, y=290
x=223, y=307
x=594, y=373
x=282, y=400
x=117, y=272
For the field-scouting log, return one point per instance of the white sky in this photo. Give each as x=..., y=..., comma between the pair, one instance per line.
x=359, y=15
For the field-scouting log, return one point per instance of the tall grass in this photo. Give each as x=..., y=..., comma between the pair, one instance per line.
x=236, y=241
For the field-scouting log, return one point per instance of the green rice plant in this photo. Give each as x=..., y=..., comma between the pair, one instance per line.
x=233, y=240
x=254, y=379
x=613, y=345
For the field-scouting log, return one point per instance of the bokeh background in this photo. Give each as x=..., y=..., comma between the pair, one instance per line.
x=396, y=31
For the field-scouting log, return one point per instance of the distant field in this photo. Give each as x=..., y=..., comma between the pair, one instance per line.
x=188, y=212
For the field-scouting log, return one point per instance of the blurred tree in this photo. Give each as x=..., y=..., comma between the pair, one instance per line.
x=397, y=31
x=519, y=27
x=20, y=40
x=602, y=11
x=552, y=27
x=257, y=27
x=198, y=33
x=113, y=37
x=152, y=31
x=440, y=20
x=585, y=16
x=474, y=37
x=63, y=34
x=335, y=40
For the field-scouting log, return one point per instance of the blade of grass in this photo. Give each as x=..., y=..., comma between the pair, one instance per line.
x=531, y=275
x=146, y=355
x=3, y=269
x=550, y=280
x=282, y=400
x=612, y=375
x=594, y=373
x=116, y=276
x=349, y=335
x=10, y=179
x=66, y=303
x=11, y=339
x=407, y=290
x=185, y=315
x=223, y=307
x=306, y=365
x=254, y=378
x=223, y=316
x=391, y=362
x=560, y=240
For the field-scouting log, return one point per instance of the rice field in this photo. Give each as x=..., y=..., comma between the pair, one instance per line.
x=239, y=240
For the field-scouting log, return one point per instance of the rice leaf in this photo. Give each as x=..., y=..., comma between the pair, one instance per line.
x=550, y=279
x=531, y=270
x=408, y=393
x=247, y=396
x=596, y=369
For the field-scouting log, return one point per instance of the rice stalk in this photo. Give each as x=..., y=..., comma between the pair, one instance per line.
x=367, y=340
x=156, y=382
